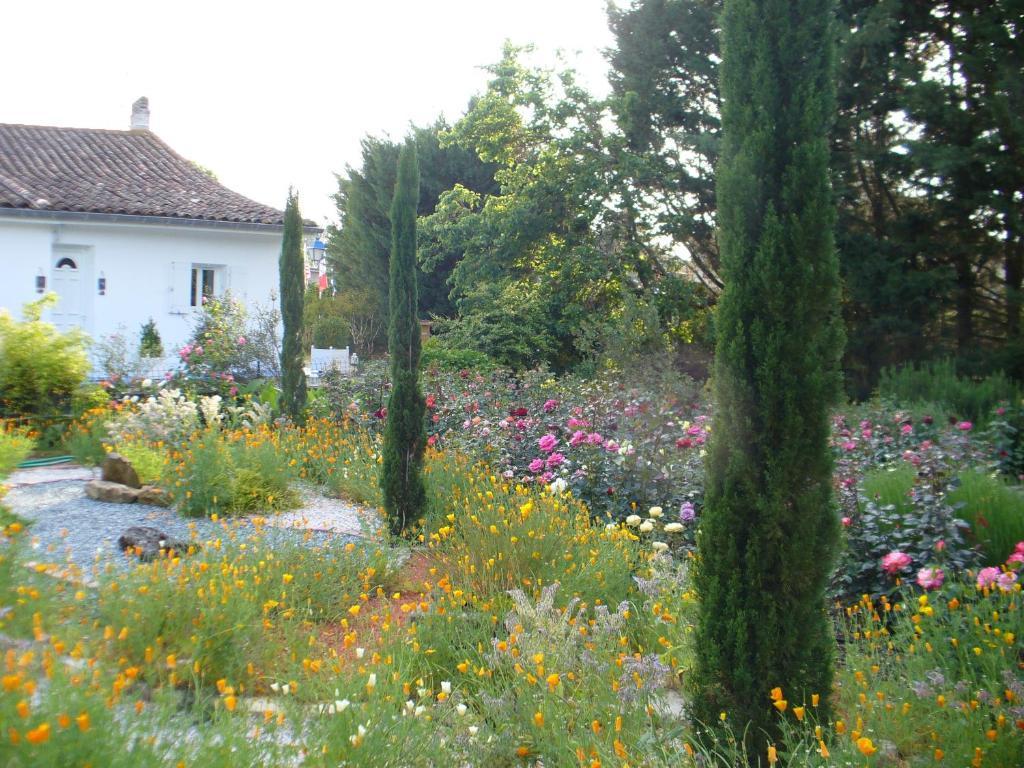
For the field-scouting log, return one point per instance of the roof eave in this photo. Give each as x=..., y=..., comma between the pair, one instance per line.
x=123, y=218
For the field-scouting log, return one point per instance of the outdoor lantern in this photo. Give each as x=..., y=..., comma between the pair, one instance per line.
x=40, y=282
x=101, y=285
x=316, y=252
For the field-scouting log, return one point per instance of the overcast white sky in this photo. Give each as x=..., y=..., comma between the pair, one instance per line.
x=268, y=94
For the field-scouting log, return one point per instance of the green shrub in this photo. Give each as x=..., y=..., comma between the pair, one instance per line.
x=437, y=354
x=937, y=382
x=150, y=344
x=262, y=480
x=15, y=446
x=40, y=367
x=85, y=437
x=147, y=462
x=995, y=511
x=215, y=476
x=331, y=332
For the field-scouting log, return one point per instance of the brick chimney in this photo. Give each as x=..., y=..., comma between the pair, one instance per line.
x=140, y=115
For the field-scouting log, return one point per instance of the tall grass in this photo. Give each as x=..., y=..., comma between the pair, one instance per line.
x=995, y=511
x=891, y=487
x=937, y=382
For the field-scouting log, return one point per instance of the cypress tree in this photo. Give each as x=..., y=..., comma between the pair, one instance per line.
x=404, y=434
x=290, y=265
x=769, y=529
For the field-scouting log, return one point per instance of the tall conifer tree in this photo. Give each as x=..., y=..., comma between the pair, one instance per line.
x=769, y=529
x=404, y=435
x=293, y=380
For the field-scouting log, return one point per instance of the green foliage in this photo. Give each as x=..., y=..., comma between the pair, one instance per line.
x=359, y=248
x=293, y=380
x=938, y=382
x=15, y=446
x=331, y=332
x=150, y=344
x=40, y=367
x=768, y=535
x=560, y=242
x=219, y=476
x=147, y=461
x=891, y=486
x=86, y=436
x=437, y=353
x=404, y=436
x=924, y=165
x=995, y=511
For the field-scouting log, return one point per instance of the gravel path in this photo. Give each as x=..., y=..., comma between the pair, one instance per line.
x=68, y=525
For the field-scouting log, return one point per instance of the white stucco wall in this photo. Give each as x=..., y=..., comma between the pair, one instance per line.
x=147, y=269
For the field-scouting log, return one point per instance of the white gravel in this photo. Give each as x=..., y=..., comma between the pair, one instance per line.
x=68, y=525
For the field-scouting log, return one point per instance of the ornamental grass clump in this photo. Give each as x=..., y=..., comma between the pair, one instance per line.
x=227, y=472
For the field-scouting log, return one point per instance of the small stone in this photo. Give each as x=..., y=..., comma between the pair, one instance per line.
x=158, y=497
x=117, y=469
x=148, y=543
x=116, y=493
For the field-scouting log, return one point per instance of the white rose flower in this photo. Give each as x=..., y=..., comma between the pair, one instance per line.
x=646, y=526
x=659, y=546
x=673, y=527
x=655, y=512
x=633, y=520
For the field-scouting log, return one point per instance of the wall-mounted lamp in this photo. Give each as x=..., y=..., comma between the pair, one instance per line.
x=40, y=282
x=101, y=285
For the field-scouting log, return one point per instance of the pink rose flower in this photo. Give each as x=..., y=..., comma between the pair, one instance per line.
x=550, y=405
x=554, y=460
x=965, y=426
x=930, y=578
x=577, y=438
x=847, y=522
x=988, y=576
x=895, y=562
x=536, y=465
x=547, y=443
x=1007, y=580
x=594, y=438
x=906, y=429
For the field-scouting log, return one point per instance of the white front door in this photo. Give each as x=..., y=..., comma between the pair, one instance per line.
x=67, y=284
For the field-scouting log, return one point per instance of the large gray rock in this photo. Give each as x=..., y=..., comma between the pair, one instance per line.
x=116, y=469
x=102, y=490
x=158, y=497
x=149, y=543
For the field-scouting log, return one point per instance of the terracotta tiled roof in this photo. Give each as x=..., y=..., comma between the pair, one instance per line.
x=114, y=172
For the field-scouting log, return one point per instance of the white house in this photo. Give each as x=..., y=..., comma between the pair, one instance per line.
x=123, y=229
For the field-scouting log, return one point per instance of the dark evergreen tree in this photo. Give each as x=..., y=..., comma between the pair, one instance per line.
x=769, y=531
x=293, y=380
x=404, y=435
x=358, y=248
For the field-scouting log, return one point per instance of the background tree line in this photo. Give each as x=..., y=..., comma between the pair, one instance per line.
x=559, y=228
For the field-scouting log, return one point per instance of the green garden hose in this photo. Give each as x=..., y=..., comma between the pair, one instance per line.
x=49, y=461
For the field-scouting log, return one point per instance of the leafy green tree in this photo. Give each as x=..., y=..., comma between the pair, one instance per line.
x=293, y=380
x=560, y=241
x=767, y=539
x=404, y=434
